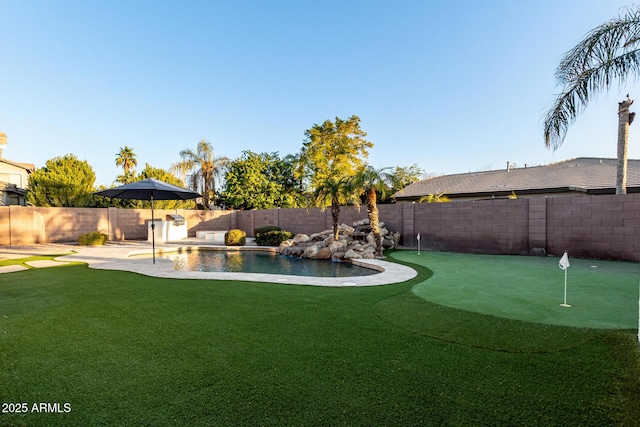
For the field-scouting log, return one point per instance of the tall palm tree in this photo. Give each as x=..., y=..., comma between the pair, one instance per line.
x=126, y=159
x=335, y=192
x=373, y=181
x=202, y=168
x=608, y=53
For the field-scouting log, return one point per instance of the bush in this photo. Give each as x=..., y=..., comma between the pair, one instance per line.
x=272, y=237
x=93, y=238
x=235, y=237
x=265, y=229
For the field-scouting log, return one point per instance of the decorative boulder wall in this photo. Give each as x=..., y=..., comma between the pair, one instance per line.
x=355, y=242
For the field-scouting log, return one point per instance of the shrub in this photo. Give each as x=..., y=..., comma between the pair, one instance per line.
x=265, y=229
x=235, y=237
x=273, y=237
x=93, y=238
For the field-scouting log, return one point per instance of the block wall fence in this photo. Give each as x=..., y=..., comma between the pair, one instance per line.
x=604, y=226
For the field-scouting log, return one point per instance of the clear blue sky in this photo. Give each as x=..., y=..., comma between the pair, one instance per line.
x=454, y=86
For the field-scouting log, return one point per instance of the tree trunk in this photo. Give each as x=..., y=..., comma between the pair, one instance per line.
x=374, y=221
x=624, y=120
x=335, y=216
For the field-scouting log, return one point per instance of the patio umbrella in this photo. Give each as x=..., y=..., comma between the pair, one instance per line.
x=149, y=189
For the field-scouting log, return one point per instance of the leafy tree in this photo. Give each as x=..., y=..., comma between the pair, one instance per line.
x=107, y=202
x=63, y=182
x=162, y=175
x=126, y=159
x=403, y=176
x=284, y=173
x=608, y=53
x=332, y=151
x=373, y=181
x=335, y=192
x=202, y=168
x=261, y=181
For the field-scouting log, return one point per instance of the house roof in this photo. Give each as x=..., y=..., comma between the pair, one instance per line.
x=27, y=166
x=583, y=174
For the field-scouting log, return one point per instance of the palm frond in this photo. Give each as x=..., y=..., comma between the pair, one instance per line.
x=600, y=45
x=609, y=53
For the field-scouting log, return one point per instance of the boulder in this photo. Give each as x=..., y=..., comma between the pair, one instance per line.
x=324, y=253
x=352, y=254
x=294, y=251
x=310, y=252
x=344, y=228
x=286, y=244
x=387, y=242
x=338, y=245
x=301, y=238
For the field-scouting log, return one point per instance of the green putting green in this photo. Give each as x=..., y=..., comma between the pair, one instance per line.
x=602, y=294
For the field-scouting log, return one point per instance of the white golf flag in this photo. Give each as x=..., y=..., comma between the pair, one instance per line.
x=564, y=262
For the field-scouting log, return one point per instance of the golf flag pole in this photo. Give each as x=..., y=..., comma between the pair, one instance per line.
x=418, y=239
x=564, y=265
x=153, y=231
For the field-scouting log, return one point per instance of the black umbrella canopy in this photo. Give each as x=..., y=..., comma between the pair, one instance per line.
x=149, y=189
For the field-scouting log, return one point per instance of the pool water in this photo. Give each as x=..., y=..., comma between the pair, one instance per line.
x=263, y=262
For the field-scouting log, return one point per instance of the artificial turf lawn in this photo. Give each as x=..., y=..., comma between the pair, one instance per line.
x=125, y=349
x=602, y=294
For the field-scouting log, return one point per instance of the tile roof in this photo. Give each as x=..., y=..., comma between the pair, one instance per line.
x=581, y=174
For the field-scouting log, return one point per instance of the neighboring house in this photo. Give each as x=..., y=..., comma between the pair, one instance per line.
x=14, y=177
x=573, y=177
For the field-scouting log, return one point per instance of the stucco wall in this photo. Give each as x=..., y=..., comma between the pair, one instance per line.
x=605, y=226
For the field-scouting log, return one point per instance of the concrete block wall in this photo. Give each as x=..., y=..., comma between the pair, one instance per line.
x=313, y=220
x=605, y=226
x=302, y=220
x=485, y=226
x=216, y=220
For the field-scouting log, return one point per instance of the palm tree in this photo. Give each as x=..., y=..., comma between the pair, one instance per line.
x=202, y=168
x=609, y=52
x=127, y=159
x=334, y=192
x=434, y=198
x=373, y=181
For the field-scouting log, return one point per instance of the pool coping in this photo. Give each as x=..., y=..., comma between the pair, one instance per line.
x=116, y=256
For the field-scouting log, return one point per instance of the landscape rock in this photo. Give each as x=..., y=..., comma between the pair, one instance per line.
x=338, y=245
x=324, y=253
x=352, y=254
x=310, y=252
x=301, y=238
x=355, y=241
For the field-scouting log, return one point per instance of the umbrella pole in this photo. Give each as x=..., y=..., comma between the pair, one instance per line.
x=153, y=231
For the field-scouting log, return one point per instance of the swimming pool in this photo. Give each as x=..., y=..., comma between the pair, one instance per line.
x=262, y=262
x=136, y=258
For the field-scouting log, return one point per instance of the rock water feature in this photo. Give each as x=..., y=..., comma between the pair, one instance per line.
x=355, y=242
